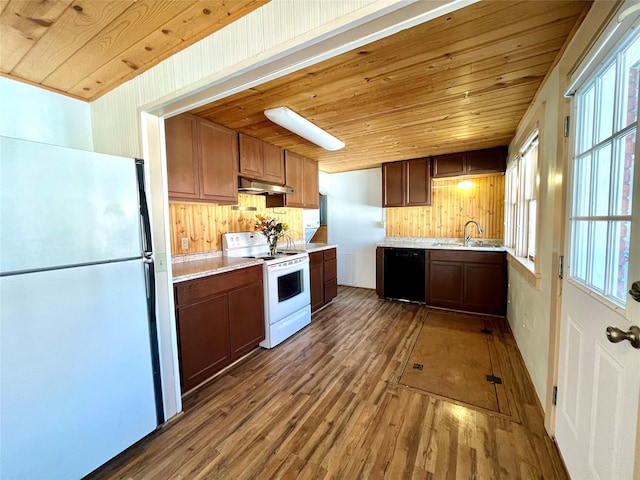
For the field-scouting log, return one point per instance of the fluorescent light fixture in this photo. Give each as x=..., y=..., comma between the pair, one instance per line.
x=301, y=126
x=465, y=184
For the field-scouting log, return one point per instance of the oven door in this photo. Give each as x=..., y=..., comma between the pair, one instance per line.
x=287, y=288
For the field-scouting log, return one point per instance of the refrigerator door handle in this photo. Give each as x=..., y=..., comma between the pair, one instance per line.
x=144, y=209
x=147, y=259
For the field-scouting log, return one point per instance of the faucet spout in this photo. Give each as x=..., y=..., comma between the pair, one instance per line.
x=467, y=237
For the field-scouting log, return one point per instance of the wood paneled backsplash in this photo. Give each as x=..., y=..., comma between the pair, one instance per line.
x=204, y=223
x=450, y=208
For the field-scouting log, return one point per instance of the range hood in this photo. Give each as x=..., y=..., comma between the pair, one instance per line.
x=260, y=188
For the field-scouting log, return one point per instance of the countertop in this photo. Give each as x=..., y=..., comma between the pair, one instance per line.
x=189, y=267
x=197, y=265
x=313, y=247
x=476, y=244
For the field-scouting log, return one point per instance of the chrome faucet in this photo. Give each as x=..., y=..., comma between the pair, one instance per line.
x=467, y=237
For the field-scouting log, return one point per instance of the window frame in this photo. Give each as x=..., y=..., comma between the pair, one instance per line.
x=580, y=153
x=518, y=241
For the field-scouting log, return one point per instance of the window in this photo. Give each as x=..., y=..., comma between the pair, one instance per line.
x=605, y=145
x=521, y=206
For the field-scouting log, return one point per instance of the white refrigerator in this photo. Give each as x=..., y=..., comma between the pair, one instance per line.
x=79, y=362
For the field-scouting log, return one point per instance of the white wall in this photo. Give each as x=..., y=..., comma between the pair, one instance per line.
x=355, y=215
x=529, y=307
x=35, y=114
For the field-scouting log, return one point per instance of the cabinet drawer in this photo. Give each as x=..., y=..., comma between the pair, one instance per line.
x=316, y=258
x=197, y=290
x=329, y=254
x=466, y=256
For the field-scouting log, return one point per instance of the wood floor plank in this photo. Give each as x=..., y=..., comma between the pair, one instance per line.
x=327, y=404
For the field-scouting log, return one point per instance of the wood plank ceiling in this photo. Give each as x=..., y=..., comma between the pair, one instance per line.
x=460, y=82
x=85, y=48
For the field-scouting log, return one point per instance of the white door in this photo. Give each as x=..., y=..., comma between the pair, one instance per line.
x=599, y=381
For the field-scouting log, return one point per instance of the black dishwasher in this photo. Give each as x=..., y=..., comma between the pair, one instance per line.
x=404, y=274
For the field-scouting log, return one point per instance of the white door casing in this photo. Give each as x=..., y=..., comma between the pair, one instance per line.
x=598, y=381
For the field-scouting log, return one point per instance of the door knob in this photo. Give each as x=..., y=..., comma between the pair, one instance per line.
x=615, y=335
x=635, y=291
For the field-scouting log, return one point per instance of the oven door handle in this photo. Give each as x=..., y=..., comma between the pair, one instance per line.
x=287, y=266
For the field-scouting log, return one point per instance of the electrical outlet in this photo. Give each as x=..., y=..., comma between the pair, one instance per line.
x=185, y=243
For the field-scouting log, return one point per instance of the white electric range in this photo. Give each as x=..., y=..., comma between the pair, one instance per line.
x=287, y=301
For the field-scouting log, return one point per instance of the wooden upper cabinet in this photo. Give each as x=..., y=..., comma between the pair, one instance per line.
x=418, y=182
x=310, y=192
x=202, y=160
x=475, y=162
x=218, y=149
x=393, y=184
x=294, y=165
x=302, y=175
x=487, y=161
x=406, y=183
x=451, y=165
x=261, y=161
x=182, y=157
x=273, y=164
x=251, y=157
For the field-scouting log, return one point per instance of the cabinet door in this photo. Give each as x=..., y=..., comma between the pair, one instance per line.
x=273, y=164
x=251, y=157
x=294, y=165
x=316, y=277
x=445, y=284
x=183, y=174
x=246, y=319
x=330, y=290
x=450, y=165
x=393, y=184
x=418, y=182
x=203, y=335
x=330, y=275
x=492, y=160
x=485, y=289
x=218, y=148
x=310, y=193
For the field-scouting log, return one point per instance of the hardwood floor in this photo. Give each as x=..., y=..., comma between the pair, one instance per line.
x=326, y=404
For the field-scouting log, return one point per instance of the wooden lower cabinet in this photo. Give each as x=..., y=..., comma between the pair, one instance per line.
x=444, y=284
x=330, y=275
x=203, y=330
x=246, y=318
x=316, y=278
x=323, y=269
x=220, y=318
x=470, y=281
x=466, y=280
